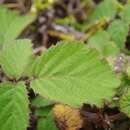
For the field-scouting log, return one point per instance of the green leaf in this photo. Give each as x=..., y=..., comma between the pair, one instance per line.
x=46, y=120
x=128, y=70
x=101, y=40
x=41, y=124
x=69, y=72
x=119, y=31
x=125, y=14
x=50, y=122
x=43, y=112
x=41, y=102
x=14, y=109
x=15, y=56
x=105, y=10
x=125, y=103
x=110, y=49
x=29, y=68
x=12, y=24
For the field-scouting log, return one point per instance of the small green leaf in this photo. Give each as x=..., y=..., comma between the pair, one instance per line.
x=41, y=102
x=29, y=68
x=12, y=24
x=41, y=124
x=14, y=109
x=43, y=111
x=46, y=120
x=101, y=40
x=105, y=10
x=119, y=31
x=128, y=71
x=125, y=103
x=110, y=49
x=125, y=14
x=69, y=72
x=50, y=122
x=15, y=56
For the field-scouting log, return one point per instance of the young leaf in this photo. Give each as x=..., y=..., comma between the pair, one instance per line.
x=110, y=49
x=14, y=110
x=128, y=71
x=41, y=102
x=46, y=120
x=106, y=9
x=12, y=24
x=125, y=14
x=69, y=72
x=125, y=103
x=14, y=57
x=119, y=31
x=41, y=123
x=48, y=123
x=43, y=111
x=101, y=40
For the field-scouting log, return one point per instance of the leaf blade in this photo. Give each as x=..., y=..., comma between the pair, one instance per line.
x=12, y=24
x=60, y=75
x=107, y=9
x=118, y=31
x=15, y=56
x=125, y=103
x=14, y=110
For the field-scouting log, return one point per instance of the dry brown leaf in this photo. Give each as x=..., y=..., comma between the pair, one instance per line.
x=67, y=118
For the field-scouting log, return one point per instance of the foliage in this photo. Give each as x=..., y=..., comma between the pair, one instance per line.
x=57, y=82
x=12, y=25
x=19, y=52
x=14, y=105
x=101, y=40
x=58, y=73
x=125, y=14
x=124, y=103
x=105, y=10
x=118, y=31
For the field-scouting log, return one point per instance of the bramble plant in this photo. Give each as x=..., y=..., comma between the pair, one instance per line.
x=70, y=73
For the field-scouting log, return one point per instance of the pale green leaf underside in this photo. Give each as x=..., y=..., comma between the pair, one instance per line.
x=101, y=40
x=106, y=9
x=12, y=24
x=43, y=111
x=125, y=14
x=125, y=103
x=119, y=31
x=14, y=110
x=72, y=74
x=15, y=56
